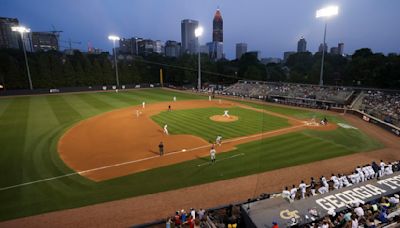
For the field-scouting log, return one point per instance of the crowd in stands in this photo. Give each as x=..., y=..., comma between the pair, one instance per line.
x=289, y=90
x=383, y=212
x=225, y=217
x=383, y=105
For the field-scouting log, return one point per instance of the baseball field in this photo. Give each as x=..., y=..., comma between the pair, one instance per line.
x=71, y=150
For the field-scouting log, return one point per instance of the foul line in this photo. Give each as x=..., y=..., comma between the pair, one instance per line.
x=145, y=159
x=233, y=156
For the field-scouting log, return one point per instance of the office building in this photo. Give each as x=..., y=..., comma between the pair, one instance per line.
x=302, y=45
x=215, y=50
x=172, y=48
x=8, y=38
x=334, y=50
x=125, y=46
x=287, y=54
x=241, y=48
x=158, y=47
x=129, y=45
x=321, y=47
x=189, y=40
x=218, y=35
x=44, y=41
x=146, y=47
x=341, y=49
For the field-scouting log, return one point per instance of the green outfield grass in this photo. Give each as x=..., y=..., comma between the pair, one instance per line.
x=197, y=122
x=31, y=126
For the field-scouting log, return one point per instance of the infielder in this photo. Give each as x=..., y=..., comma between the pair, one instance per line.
x=226, y=113
x=143, y=104
x=166, y=129
x=212, y=154
x=219, y=140
x=174, y=99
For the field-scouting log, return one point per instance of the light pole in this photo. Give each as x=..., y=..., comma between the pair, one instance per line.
x=198, y=32
x=115, y=38
x=21, y=31
x=325, y=13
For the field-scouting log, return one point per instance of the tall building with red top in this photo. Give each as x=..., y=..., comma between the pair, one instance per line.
x=218, y=27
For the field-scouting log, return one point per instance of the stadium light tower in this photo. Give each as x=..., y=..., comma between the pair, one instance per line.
x=21, y=31
x=198, y=32
x=325, y=13
x=115, y=38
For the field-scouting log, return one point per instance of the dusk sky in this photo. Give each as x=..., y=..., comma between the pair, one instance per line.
x=271, y=27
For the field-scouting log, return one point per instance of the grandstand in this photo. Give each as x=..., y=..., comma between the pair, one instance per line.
x=383, y=105
x=299, y=94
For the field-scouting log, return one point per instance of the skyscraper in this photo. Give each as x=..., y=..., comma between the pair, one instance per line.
x=302, y=45
x=321, y=47
x=189, y=40
x=241, y=48
x=218, y=35
x=341, y=48
x=216, y=47
x=8, y=38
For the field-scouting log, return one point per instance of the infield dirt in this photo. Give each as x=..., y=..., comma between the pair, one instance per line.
x=121, y=142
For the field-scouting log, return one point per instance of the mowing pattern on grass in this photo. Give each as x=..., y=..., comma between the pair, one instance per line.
x=31, y=126
x=197, y=122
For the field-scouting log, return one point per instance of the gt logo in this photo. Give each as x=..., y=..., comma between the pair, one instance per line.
x=286, y=214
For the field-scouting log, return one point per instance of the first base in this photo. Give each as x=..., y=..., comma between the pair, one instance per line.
x=183, y=150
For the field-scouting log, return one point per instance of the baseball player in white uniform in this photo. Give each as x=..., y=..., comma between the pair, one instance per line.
x=325, y=183
x=212, y=154
x=166, y=129
x=226, y=113
x=345, y=181
x=360, y=174
x=219, y=140
x=335, y=181
x=174, y=99
x=143, y=104
x=382, y=169
x=389, y=169
x=293, y=192
x=137, y=113
x=286, y=194
x=303, y=188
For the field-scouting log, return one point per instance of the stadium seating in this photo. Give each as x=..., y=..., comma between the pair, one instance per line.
x=383, y=105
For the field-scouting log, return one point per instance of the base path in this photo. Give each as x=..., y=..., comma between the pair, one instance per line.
x=126, y=141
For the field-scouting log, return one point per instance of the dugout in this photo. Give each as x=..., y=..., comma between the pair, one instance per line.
x=264, y=212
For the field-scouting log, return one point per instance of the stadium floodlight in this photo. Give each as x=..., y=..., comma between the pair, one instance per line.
x=198, y=32
x=325, y=13
x=22, y=30
x=115, y=38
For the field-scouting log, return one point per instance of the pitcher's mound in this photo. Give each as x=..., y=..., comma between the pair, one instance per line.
x=221, y=118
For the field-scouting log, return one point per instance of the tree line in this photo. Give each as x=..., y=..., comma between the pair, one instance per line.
x=55, y=69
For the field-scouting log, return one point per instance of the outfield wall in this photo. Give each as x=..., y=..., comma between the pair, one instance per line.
x=75, y=89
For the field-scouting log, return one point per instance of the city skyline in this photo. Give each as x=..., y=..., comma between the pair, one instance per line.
x=269, y=27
